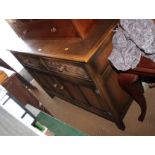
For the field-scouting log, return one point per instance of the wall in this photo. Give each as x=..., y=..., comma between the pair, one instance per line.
x=10, y=126
x=9, y=40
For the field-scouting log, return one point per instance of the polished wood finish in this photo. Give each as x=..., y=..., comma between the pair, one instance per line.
x=52, y=29
x=74, y=49
x=83, y=26
x=78, y=71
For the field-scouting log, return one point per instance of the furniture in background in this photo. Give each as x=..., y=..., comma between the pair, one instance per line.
x=18, y=87
x=74, y=68
x=24, y=81
x=131, y=82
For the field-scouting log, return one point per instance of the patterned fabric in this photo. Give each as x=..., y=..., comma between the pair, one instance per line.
x=135, y=38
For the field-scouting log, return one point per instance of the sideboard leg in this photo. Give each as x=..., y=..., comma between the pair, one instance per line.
x=120, y=125
x=52, y=95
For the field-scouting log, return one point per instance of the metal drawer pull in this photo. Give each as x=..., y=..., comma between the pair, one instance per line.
x=53, y=29
x=61, y=87
x=27, y=61
x=55, y=85
x=61, y=69
x=109, y=113
x=24, y=32
x=97, y=91
x=39, y=49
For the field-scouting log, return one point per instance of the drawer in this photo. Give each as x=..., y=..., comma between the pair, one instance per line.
x=30, y=60
x=43, y=29
x=66, y=68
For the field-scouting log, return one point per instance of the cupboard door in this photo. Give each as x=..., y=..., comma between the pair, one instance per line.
x=52, y=85
x=88, y=99
x=60, y=87
x=43, y=79
x=76, y=94
x=94, y=99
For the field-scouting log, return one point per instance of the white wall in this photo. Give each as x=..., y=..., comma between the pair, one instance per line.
x=10, y=126
x=9, y=40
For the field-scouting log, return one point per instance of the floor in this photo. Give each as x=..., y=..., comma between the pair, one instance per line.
x=57, y=127
x=98, y=126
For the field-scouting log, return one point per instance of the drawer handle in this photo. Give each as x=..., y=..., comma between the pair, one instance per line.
x=61, y=87
x=27, y=61
x=43, y=63
x=55, y=85
x=61, y=69
x=109, y=113
x=24, y=32
x=53, y=29
x=97, y=92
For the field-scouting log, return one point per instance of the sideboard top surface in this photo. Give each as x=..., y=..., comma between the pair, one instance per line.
x=74, y=49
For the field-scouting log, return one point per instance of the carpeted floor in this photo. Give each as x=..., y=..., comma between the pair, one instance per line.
x=97, y=126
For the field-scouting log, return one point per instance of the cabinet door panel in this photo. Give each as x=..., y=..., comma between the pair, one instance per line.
x=60, y=88
x=94, y=99
x=76, y=93
x=44, y=80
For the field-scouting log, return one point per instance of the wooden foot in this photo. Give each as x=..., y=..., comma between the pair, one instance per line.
x=121, y=125
x=52, y=96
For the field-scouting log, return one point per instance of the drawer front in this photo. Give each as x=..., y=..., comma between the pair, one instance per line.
x=76, y=94
x=94, y=99
x=30, y=60
x=66, y=68
x=43, y=29
x=73, y=72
